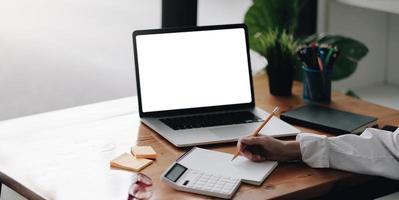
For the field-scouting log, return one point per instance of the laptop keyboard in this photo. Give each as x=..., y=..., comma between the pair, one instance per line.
x=209, y=120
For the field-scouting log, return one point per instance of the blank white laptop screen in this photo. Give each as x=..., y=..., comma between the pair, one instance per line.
x=193, y=69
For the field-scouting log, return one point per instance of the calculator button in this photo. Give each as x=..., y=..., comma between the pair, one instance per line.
x=221, y=182
x=225, y=179
x=229, y=185
x=227, y=188
x=214, y=190
x=207, y=188
x=213, y=184
x=194, y=172
x=201, y=185
x=225, y=191
x=198, y=187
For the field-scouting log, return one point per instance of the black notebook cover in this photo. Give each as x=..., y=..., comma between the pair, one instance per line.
x=329, y=120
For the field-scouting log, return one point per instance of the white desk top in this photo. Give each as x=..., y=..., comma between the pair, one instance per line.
x=56, y=145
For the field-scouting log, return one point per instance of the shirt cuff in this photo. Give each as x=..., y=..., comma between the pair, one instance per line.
x=314, y=149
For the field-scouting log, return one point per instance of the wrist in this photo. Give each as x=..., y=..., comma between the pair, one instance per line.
x=292, y=150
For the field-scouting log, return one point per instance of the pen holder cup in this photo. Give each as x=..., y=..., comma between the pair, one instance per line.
x=316, y=85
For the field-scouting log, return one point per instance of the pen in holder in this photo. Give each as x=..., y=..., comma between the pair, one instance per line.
x=318, y=61
x=316, y=85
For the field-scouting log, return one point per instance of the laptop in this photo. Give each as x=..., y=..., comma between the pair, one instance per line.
x=194, y=84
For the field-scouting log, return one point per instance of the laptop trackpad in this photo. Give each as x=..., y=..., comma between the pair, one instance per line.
x=234, y=131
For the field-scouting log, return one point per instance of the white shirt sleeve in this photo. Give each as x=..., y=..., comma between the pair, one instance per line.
x=374, y=152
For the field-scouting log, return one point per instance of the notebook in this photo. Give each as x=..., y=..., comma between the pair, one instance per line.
x=219, y=163
x=328, y=119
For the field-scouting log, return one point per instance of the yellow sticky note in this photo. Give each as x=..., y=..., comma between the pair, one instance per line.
x=128, y=162
x=144, y=152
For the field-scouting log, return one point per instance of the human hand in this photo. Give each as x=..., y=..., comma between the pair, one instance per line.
x=261, y=148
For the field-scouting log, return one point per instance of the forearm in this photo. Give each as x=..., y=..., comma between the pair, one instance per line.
x=375, y=152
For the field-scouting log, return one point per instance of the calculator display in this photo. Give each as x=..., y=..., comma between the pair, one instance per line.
x=175, y=173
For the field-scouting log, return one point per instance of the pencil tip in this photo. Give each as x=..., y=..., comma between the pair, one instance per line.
x=233, y=158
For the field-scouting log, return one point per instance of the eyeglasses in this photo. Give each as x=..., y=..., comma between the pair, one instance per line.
x=141, y=187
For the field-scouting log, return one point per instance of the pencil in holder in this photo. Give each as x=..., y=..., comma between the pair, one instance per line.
x=316, y=85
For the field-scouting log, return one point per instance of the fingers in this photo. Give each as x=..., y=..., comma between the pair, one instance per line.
x=256, y=140
x=253, y=157
x=262, y=148
x=250, y=140
x=259, y=158
x=242, y=145
x=242, y=149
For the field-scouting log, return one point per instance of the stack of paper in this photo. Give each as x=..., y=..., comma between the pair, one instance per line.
x=219, y=163
x=144, y=152
x=128, y=162
x=136, y=162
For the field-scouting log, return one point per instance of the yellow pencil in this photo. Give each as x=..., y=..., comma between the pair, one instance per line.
x=256, y=133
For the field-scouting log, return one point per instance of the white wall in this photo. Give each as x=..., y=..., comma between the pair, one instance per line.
x=369, y=27
x=56, y=54
x=377, y=29
x=212, y=12
x=393, y=50
x=62, y=53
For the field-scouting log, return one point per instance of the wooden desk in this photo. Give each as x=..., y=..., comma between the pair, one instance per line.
x=65, y=154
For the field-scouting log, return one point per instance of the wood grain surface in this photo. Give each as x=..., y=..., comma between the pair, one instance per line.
x=94, y=179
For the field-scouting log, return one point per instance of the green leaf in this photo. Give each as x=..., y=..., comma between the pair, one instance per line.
x=270, y=15
x=278, y=47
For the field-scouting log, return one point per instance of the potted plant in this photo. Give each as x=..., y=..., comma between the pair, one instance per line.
x=272, y=25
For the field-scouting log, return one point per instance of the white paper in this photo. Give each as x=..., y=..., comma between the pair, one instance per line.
x=219, y=163
x=279, y=128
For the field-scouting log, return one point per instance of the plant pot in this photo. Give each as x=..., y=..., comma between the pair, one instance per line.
x=280, y=80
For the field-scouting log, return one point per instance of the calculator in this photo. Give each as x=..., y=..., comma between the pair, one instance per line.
x=195, y=181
